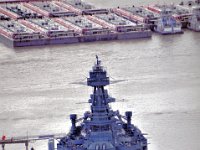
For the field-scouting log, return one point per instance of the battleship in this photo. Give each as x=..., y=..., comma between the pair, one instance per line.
x=101, y=128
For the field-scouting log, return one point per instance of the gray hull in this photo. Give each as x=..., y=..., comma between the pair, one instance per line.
x=77, y=39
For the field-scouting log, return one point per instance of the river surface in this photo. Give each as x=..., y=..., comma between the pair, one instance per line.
x=158, y=78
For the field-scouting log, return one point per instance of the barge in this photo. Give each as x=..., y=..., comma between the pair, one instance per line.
x=15, y=34
x=18, y=11
x=64, y=31
x=138, y=15
x=74, y=21
x=49, y=9
x=123, y=27
x=81, y=8
x=194, y=8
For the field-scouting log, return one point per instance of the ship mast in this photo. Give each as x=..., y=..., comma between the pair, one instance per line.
x=98, y=80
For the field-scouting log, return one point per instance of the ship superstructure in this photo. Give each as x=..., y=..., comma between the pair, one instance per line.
x=181, y=15
x=101, y=128
x=167, y=24
x=194, y=20
x=193, y=7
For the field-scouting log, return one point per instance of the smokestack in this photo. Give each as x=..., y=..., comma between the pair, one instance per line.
x=73, y=121
x=128, y=117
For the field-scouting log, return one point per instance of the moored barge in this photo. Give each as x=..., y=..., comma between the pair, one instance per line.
x=137, y=14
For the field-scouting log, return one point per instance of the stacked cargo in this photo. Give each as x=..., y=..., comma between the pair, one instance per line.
x=16, y=34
